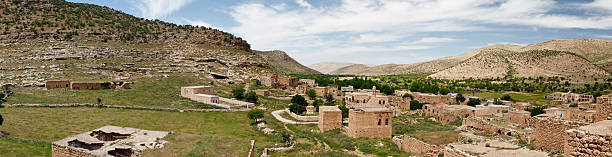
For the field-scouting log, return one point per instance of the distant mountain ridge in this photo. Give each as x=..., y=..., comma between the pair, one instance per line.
x=593, y=55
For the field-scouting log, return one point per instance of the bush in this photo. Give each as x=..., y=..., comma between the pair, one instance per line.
x=345, y=111
x=238, y=93
x=507, y=98
x=312, y=94
x=255, y=114
x=536, y=111
x=415, y=105
x=460, y=98
x=329, y=98
x=573, y=105
x=99, y=100
x=251, y=97
x=473, y=102
x=408, y=95
x=1, y=120
x=317, y=103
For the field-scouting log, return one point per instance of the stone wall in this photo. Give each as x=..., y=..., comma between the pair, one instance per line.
x=262, y=92
x=302, y=118
x=550, y=133
x=482, y=125
x=330, y=117
x=413, y=145
x=57, y=84
x=603, y=111
x=370, y=122
x=90, y=85
x=521, y=118
x=63, y=151
x=585, y=142
x=188, y=92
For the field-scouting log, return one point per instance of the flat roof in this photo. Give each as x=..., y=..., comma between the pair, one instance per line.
x=602, y=128
x=206, y=95
x=329, y=108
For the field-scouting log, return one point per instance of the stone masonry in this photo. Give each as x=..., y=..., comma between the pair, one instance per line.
x=590, y=140
x=330, y=117
x=370, y=122
x=521, y=118
x=57, y=84
x=550, y=133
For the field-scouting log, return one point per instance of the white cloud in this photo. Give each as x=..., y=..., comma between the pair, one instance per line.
x=152, y=9
x=505, y=43
x=604, y=36
x=303, y=3
x=353, y=25
x=600, y=4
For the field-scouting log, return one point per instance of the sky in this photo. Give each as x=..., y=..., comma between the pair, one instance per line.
x=378, y=32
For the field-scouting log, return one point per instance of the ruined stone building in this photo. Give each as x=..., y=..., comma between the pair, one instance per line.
x=521, y=118
x=435, y=99
x=491, y=126
x=330, y=117
x=57, y=84
x=331, y=89
x=603, y=109
x=370, y=122
x=591, y=140
x=109, y=141
x=347, y=89
x=361, y=100
x=205, y=94
x=262, y=92
x=99, y=85
x=550, y=132
x=401, y=92
x=276, y=81
x=308, y=82
x=571, y=98
x=399, y=102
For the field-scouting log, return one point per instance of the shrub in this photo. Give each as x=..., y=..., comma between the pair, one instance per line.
x=345, y=111
x=415, y=105
x=408, y=95
x=255, y=114
x=573, y=105
x=251, y=97
x=99, y=100
x=507, y=98
x=238, y=93
x=312, y=94
x=329, y=98
x=1, y=120
x=317, y=103
x=536, y=111
x=473, y=102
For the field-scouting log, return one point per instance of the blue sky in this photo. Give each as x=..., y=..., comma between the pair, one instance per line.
x=382, y=31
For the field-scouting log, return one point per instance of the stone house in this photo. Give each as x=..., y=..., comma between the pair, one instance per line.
x=262, y=92
x=287, y=82
x=572, y=97
x=330, y=117
x=401, y=92
x=445, y=114
x=519, y=106
x=205, y=98
x=309, y=82
x=521, y=118
x=550, y=132
x=346, y=89
x=434, y=99
x=370, y=122
x=108, y=141
x=399, y=102
x=591, y=140
x=57, y=84
x=190, y=91
x=331, y=89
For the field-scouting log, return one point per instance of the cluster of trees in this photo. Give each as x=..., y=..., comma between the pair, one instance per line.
x=255, y=114
x=251, y=96
x=536, y=111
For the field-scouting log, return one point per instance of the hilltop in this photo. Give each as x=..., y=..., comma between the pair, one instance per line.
x=572, y=58
x=59, y=40
x=327, y=67
x=285, y=63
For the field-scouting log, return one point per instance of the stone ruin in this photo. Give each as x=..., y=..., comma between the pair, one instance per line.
x=590, y=140
x=370, y=122
x=330, y=117
x=86, y=85
x=205, y=94
x=109, y=141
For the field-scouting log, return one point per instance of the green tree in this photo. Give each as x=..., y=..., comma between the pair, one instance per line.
x=473, y=102
x=312, y=94
x=536, y=111
x=345, y=111
x=238, y=93
x=255, y=114
x=298, y=104
x=251, y=97
x=99, y=100
x=460, y=98
x=1, y=120
x=415, y=105
x=329, y=98
x=316, y=103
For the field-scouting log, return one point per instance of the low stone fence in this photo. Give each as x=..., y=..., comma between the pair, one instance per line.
x=125, y=107
x=412, y=145
x=236, y=104
x=302, y=118
x=481, y=125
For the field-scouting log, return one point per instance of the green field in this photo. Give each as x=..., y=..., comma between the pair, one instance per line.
x=195, y=133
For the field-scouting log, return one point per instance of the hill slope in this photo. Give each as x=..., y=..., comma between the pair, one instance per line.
x=58, y=40
x=281, y=61
x=327, y=67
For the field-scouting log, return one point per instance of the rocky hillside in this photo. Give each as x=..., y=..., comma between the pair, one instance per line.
x=327, y=67
x=533, y=63
x=577, y=58
x=55, y=40
x=281, y=61
x=41, y=20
